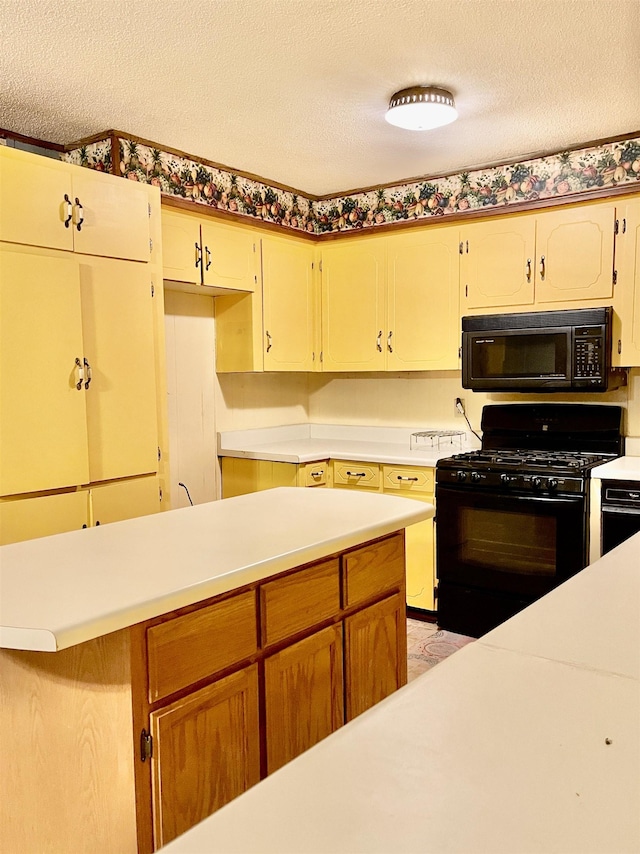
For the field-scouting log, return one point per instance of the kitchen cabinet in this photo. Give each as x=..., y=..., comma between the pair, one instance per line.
x=354, y=305
x=78, y=385
x=626, y=300
x=240, y=476
x=422, y=331
x=290, y=312
x=557, y=256
x=303, y=695
x=26, y=518
x=207, y=253
x=207, y=752
x=391, y=303
x=45, y=202
x=416, y=482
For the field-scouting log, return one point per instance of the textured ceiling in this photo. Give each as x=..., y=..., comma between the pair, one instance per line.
x=295, y=90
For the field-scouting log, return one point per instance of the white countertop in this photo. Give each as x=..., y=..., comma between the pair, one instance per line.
x=622, y=468
x=62, y=590
x=306, y=443
x=527, y=740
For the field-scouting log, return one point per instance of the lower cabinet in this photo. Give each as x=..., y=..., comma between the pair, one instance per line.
x=231, y=690
x=26, y=518
x=304, y=695
x=206, y=752
x=240, y=476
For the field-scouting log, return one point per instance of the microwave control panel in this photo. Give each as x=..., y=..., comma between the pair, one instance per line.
x=589, y=354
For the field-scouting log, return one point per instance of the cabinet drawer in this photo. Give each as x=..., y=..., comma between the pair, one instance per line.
x=299, y=601
x=186, y=649
x=314, y=474
x=406, y=479
x=356, y=474
x=373, y=570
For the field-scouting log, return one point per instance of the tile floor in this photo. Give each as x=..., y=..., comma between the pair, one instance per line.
x=428, y=645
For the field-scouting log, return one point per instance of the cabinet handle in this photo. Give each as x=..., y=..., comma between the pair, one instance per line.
x=198, y=255
x=80, y=219
x=389, y=347
x=269, y=345
x=80, y=374
x=88, y=374
x=317, y=473
x=542, y=267
x=528, y=269
x=356, y=474
x=619, y=346
x=379, y=341
x=400, y=477
x=208, y=257
x=69, y=216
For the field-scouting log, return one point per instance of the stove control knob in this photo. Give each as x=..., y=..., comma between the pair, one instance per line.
x=552, y=484
x=461, y=475
x=475, y=476
x=538, y=483
x=505, y=479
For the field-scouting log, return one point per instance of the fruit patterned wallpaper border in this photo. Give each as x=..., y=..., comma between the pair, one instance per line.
x=566, y=174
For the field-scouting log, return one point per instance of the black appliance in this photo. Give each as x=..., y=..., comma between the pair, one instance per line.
x=543, y=351
x=512, y=518
x=620, y=506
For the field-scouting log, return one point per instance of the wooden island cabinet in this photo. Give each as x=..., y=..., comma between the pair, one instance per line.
x=124, y=741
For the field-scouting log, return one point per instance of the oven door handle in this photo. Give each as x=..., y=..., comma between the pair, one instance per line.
x=621, y=511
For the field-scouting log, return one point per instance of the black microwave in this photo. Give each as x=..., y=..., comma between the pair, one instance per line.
x=541, y=351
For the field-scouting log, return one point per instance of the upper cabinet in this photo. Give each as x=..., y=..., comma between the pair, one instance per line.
x=44, y=202
x=203, y=252
x=289, y=305
x=354, y=305
x=626, y=303
x=391, y=303
x=559, y=256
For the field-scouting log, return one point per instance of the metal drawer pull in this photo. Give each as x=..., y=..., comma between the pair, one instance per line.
x=528, y=269
x=317, y=473
x=207, y=253
x=80, y=374
x=389, y=347
x=542, y=267
x=356, y=474
x=198, y=255
x=400, y=477
x=379, y=341
x=269, y=345
x=69, y=216
x=88, y=374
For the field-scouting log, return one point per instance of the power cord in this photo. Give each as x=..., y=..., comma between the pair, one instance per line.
x=187, y=491
x=460, y=408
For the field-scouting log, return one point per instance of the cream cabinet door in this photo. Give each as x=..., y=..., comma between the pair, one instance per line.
x=42, y=515
x=117, y=324
x=43, y=432
x=497, y=262
x=110, y=217
x=626, y=301
x=181, y=248
x=422, y=300
x=125, y=499
x=230, y=257
x=288, y=305
x=353, y=305
x=33, y=210
x=574, y=254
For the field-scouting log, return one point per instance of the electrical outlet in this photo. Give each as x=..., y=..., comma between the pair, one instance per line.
x=459, y=406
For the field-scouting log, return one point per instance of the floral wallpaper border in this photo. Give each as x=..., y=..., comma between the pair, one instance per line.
x=566, y=174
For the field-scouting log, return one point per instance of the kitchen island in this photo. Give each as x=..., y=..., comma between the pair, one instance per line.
x=154, y=668
x=527, y=740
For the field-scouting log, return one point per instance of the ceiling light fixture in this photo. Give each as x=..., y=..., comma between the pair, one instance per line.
x=421, y=108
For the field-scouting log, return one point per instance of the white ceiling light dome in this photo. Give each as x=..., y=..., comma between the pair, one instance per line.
x=421, y=108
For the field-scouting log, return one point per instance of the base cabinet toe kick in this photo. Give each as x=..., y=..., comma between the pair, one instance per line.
x=123, y=742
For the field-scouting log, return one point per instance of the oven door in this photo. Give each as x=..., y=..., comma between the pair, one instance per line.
x=506, y=543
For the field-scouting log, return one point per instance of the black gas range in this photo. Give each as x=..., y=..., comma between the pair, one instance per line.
x=512, y=518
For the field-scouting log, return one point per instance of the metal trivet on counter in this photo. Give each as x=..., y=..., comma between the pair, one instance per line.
x=428, y=439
